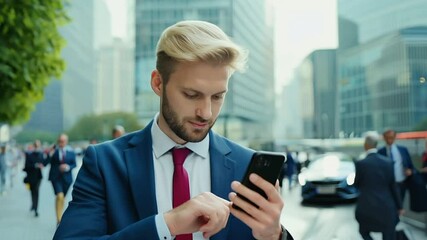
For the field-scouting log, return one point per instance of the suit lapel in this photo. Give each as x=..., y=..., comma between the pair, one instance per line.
x=139, y=161
x=222, y=172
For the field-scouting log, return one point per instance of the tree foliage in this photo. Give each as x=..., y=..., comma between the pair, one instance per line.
x=421, y=126
x=100, y=126
x=30, y=54
x=28, y=136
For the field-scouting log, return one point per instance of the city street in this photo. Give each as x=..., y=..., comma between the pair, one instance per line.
x=328, y=222
x=16, y=220
x=333, y=222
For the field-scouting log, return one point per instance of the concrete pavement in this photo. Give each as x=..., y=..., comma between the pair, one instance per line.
x=315, y=223
x=16, y=220
x=18, y=223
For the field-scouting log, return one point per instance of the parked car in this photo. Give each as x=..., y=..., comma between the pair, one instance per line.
x=328, y=177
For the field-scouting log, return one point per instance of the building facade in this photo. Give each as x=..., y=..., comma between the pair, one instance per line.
x=325, y=92
x=72, y=96
x=115, y=81
x=381, y=65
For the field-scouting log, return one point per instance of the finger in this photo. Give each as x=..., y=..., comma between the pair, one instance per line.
x=270, y=190
x=215, y=220
x=247, y=193
x=242, y=215
x=215, y=209
x=267, y=208
x=277, y=186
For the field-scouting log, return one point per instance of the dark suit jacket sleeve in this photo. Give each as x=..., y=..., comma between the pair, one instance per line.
x=407, y=161
x=394, y=188
x=28, y=163
x=86, y=216
x=72, y=162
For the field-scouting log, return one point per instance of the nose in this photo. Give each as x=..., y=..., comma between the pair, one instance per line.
x=204, y=109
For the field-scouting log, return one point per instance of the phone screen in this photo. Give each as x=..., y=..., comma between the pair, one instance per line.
x=265, y=164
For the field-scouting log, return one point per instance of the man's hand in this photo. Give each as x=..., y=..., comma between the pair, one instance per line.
x=265, y=220
x=206, y=213
x=64, y=167
x=39, y=165
x=408, y=172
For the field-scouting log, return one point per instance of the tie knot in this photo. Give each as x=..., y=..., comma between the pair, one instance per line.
x=179, y=155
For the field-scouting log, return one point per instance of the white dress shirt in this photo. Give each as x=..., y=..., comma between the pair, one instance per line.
x=398, y=165
x=197, y=165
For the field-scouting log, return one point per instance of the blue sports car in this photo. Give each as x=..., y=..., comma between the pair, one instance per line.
x=328, y=177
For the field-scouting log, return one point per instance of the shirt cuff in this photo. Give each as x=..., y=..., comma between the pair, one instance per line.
x=162, y=228
x=285, y=235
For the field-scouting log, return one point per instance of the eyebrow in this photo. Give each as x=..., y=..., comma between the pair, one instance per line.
x=196, y=91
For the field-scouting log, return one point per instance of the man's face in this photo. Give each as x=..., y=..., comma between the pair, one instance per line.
x=62, y=141
x=117, y=134
x=192, y=100
x=37, y=144
x=389, y=137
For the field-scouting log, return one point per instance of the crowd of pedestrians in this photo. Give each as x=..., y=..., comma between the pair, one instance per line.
x=33, y=158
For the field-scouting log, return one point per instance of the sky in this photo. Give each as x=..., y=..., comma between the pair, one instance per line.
x=118, y=20
x=302, y=26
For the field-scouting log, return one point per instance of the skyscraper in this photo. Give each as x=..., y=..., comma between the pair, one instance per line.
x=72, y=96
x=382, y=59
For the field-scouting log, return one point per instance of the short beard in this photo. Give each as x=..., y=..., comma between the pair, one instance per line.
x=172, y=120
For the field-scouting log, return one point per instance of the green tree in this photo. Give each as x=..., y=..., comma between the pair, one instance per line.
x=30, y=54
x=421, y=126
x=100, y=126
x=28, y=136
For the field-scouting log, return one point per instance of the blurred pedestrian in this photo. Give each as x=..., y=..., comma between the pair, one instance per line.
x=288, y=169
x=15, y=157
x=62, y=160
x=424, y=162
x=3, y=169
x=33, y=166
x=379, y=205
x=402, y=163
x=118, y=131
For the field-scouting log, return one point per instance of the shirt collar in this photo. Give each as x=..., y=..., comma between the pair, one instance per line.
x=162, y=143
x=372, y=150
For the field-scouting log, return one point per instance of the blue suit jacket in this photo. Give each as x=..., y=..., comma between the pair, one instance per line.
x=114, y=194
x=406, y=158
x=54, y=173
x=379, y=201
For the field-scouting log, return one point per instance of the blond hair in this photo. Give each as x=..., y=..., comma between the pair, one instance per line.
x=193, y=41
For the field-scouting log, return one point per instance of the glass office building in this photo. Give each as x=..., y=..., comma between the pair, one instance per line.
x=71, y=97
x=250, y=100
x=381, y=65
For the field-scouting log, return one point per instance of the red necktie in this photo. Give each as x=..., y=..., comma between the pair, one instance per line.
x=63, y=156
x=181, y=187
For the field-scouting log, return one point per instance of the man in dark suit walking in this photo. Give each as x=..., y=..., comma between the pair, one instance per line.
x=402, y=163
x=62, y=160
x=378, y=205
x=33, y=166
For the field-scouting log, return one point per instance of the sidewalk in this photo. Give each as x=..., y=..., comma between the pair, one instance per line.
x=16, y=220
x=18, y=223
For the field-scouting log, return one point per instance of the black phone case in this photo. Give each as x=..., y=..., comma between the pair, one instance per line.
x=265, y=164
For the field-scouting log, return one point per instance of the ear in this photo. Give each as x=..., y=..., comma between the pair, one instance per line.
x=156, y=82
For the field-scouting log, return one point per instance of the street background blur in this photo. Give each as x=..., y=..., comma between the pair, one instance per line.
x=320, y=74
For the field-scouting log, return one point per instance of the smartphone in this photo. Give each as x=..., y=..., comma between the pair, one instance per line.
x=265, y=164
